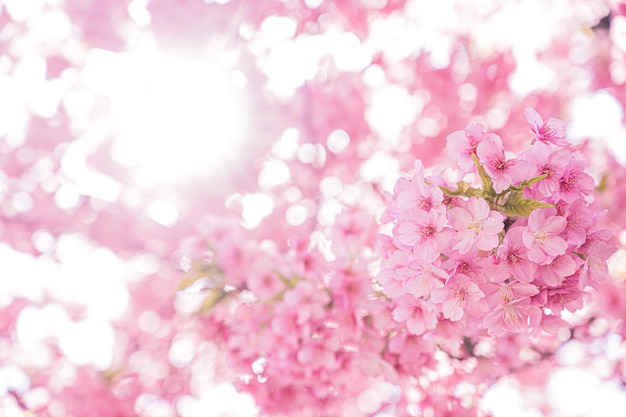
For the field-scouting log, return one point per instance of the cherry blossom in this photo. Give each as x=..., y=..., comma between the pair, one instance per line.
x=459, y=296
x=552, y=130
x=475, y=225
x=514, y=262
x=541, y=236
x=502, y=171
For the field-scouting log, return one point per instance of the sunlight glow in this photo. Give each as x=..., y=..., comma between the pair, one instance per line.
x=599, y=116
x=178, y=119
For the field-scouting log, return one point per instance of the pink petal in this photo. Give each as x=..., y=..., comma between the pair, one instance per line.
x=533, y=118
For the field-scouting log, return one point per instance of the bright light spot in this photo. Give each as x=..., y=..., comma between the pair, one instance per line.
x=307, y=153
x=35, y=325
x=530, y=75
x=338, y=140
x=90, y=341
x=599, y=116
x=150, y=405
x=509, y=26
x=43, y=241
x=331, y=187
x=369, y=401
x=291, y=63
x=287, y=146
x=84, y=181
x=182, y=352
x=351, y=194
x=395, y=37
x=22, y=201
x=145, y=263
x=216, y=401
x=255, y=208
x=467, y=92
x=258, y=366
x=390, y=110
x=238, y=79
x=149, y=321
x=29, y=75
x=576, y=392
x=53, y=25
x=13, y=378
x=618, y=31
x=296, y=215
x=21, y=10
x=78, y=104
x=163, y=212
x=89, y=275
x=328, y=211
x=313, y=4
x=381, y=168
x=275, y=29
x=348, y=52
x=46, y=102
x=571, y=353
x=178, y=119
x=617, y=262
x=439, y=57
x=374, y=76
x=138, y=11
x=274, y=173
x=67, y=196
x=504, y=400
x=428, y=126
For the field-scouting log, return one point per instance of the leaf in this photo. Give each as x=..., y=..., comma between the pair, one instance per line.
x=199, y=270
x=188, y=281
x=289, y=282
x=463, y=189
x=604, y=183
x=528, y=183
x=486, y=179
x=212, y=299
x=517, y=205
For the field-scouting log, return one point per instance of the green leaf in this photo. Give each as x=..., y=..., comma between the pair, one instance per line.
x=528, y=183
x=214, y=297
x=517, y=205
x=289, y=282
x=463, y=189
x=486, y=179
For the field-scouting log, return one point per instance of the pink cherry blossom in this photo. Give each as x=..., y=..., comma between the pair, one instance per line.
x=558, y=270
x=423, y=278
x=417, y=313
x=476, y=225
x=514, y=316
x=417, y=193
x=547, y=162
x=514, y=260
x=541, y=236
x=552, y=130
x=579, y=219
x=575, y=182
x=594, y=268
x=424, y=231
x=503, y=171
x=462, y=144
x=459, y=296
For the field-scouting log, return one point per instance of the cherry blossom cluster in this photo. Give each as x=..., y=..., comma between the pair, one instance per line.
x=302, y=334
x=504, y=243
